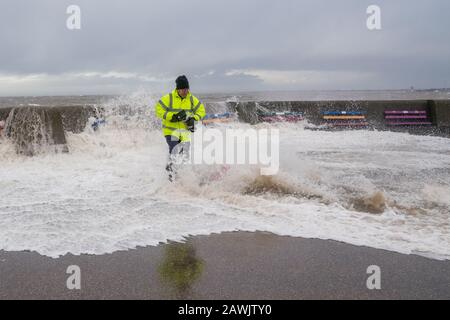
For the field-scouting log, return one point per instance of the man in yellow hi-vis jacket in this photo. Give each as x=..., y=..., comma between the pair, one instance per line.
x=179, y=111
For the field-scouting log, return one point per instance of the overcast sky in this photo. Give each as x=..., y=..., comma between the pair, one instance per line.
x=222, y=46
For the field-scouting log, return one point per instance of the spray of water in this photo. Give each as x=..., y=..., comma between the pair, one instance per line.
x=380, y=189
x=32, y=130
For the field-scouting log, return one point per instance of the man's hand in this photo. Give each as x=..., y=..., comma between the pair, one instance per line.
x=180, y=116
x=190, y=123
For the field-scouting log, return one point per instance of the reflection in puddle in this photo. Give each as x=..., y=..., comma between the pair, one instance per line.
x=180, y=268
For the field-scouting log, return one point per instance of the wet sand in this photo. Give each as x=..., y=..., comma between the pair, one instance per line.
x=237, y=265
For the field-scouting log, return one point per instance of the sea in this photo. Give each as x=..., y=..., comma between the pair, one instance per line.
x=110, y=192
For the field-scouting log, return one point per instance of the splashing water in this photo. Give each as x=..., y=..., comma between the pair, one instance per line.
x=32, y=131
x=379, y=189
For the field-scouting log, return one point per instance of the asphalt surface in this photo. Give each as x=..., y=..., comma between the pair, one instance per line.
x=227, y=266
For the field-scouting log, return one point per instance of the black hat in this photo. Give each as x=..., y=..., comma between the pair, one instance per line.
x=182, y=82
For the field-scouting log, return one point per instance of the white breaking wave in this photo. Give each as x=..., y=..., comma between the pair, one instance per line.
x=111, y=192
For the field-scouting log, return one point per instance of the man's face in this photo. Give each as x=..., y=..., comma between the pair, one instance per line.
x=183, y=92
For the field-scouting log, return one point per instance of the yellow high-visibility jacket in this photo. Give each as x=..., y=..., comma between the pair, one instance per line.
x=170, y=105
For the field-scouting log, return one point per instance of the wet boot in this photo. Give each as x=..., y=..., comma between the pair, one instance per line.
x=171, y=171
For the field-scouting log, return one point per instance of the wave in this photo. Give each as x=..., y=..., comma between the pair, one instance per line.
x=380, y=189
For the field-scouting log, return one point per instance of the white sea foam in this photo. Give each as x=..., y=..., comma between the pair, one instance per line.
x=110, y=192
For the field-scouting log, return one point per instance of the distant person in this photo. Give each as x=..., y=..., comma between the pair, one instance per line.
x=179, y=112
x=2, y=127
x=96, y=123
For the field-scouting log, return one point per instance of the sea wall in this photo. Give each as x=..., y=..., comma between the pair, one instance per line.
x=438, y=110
x=29, y=127
x=73, y=118
x=34, y=129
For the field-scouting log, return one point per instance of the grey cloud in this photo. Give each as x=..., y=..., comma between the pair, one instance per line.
x=161, y=39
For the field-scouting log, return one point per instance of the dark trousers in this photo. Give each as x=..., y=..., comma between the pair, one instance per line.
x=172, y=142
x=176, y=147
